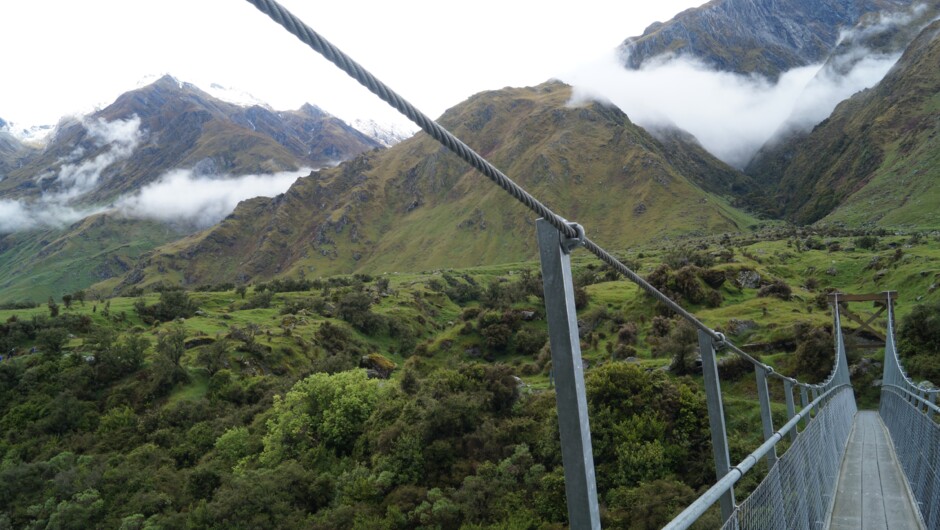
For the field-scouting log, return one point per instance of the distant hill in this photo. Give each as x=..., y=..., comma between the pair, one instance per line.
x=875, y=160
x=765, y=37
x=60, y=232
x=169, y=124
x=416, y=206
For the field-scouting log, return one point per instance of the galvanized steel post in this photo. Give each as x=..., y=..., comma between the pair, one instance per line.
x=804, y=401
x=791, y=407
x=716, y=419
x=570, y=396
x=766, y=418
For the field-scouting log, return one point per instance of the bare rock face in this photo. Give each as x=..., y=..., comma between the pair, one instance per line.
x=767, y=37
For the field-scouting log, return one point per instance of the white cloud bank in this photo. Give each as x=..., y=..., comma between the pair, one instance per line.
x=181, y=197
x=732, y=115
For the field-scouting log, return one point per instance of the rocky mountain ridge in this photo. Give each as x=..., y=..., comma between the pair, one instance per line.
x=874, y=161
x=766, y=37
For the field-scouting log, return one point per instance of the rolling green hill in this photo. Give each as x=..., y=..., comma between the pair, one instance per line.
x=416, y=206
x=39, y=264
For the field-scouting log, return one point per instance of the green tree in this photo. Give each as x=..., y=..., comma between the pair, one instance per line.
x=51, y=341
x=53, y=307
x=323, y=409
x=214, y=357
x=171, y=346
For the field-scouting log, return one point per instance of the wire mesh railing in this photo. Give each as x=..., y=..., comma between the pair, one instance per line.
x=797, y=492
x=909, y=413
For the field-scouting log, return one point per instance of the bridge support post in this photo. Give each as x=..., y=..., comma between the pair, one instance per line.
x=791, y=407
x=570, y=396
x=716, y=419
x=766, y=418
x=933, y=400
x=804, y=402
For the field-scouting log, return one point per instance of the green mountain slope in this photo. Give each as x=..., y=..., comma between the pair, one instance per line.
x=875, y=159
x=416, y=206
x=38, y=264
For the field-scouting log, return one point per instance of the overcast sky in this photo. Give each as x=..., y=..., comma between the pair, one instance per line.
x=67, y=56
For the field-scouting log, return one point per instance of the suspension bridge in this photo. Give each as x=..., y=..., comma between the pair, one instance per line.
x=842, y=469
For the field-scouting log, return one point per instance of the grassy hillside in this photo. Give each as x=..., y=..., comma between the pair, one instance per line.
x=38, y=264
x=252, y=412
x=416, y=206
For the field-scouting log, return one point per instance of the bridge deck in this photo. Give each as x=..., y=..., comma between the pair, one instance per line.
x=871, y=493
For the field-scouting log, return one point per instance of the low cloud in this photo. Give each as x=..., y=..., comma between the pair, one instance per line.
x=19, y=215
x=178, y=197
x=732, y=115
x=120, y=137
x=181, y=197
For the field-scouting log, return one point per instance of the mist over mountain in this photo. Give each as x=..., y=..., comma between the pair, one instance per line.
x=874, y=161
x=95, y=162
x=765, y=37
x=735, y=109
x=417, y=206
x=160, y=162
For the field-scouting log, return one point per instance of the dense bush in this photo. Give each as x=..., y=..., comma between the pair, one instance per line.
x=778, y=289
x=173, y=304
x=815, y=352
x=919, y=342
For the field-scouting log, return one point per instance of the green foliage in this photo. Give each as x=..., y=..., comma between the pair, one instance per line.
x=322, y=409
x=51, y=341
x=919, y=342
x=261, y=299
x=682, y=346
x=173, y=304
x=442, y=442
x=813, y=357
x=646, y=426
x=649, y=505
x=777, y=288
x=354, y=307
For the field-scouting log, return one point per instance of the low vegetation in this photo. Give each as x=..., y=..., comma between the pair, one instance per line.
x=422, y=400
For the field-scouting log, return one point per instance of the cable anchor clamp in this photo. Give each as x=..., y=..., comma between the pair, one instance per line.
x=570, y=243
x=720, y=341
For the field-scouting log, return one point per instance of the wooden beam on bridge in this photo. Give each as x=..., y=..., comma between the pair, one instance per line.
x=874, y=297
x=881, y=301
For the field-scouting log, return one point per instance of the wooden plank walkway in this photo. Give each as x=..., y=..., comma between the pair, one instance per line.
x=871, y=493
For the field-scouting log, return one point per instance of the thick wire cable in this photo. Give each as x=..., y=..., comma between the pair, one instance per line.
x=345, y=63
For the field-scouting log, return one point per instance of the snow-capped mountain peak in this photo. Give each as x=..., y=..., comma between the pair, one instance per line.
x=235, y=96
x=387, y=134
